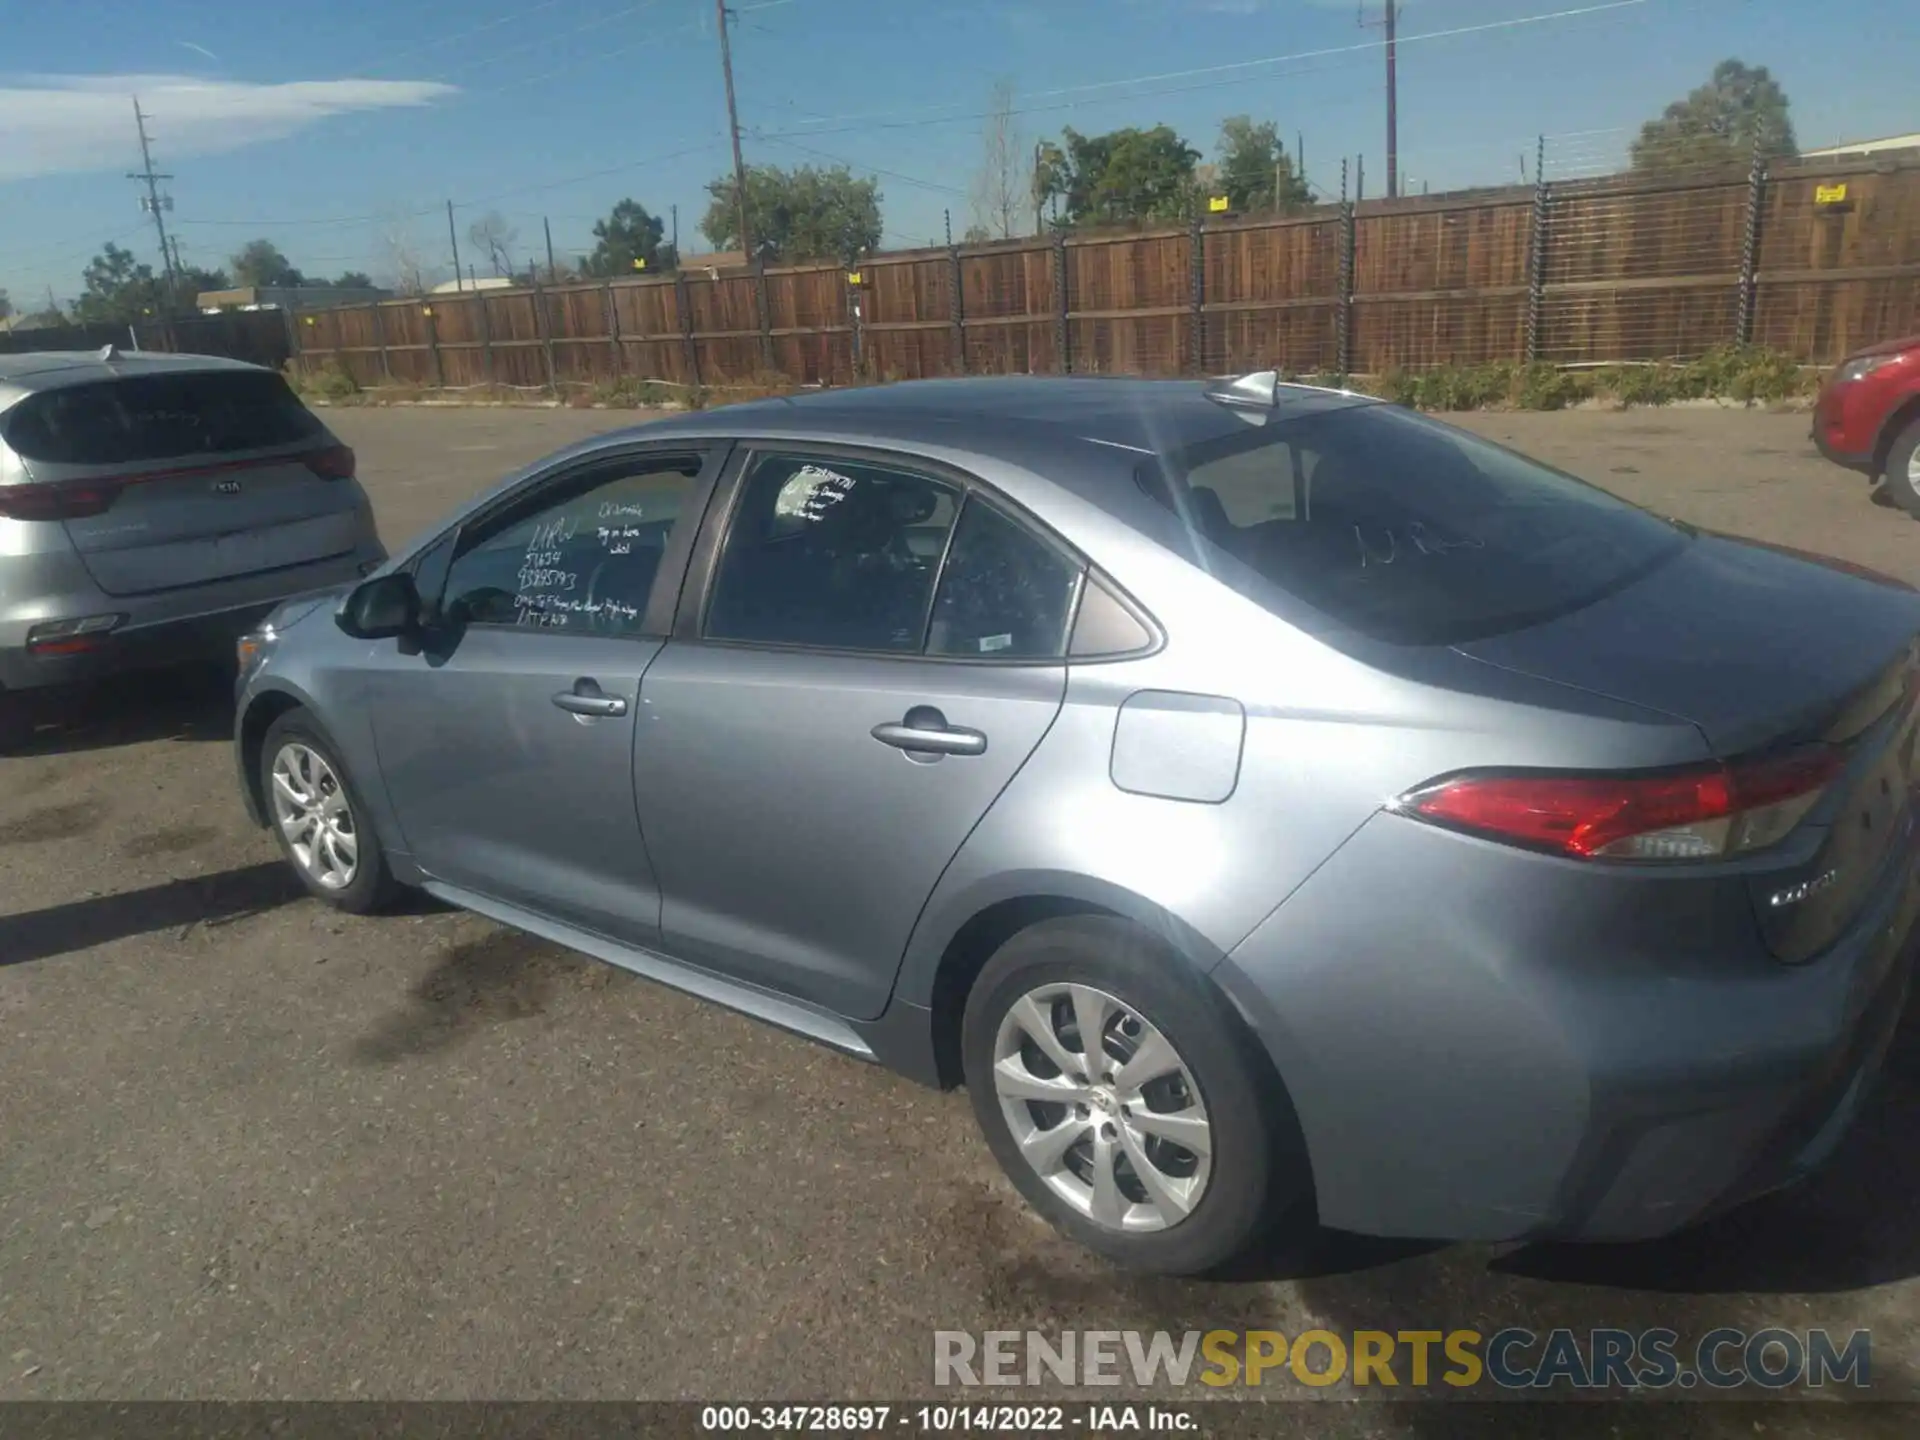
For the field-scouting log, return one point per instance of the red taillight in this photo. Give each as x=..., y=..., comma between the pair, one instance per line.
x=334, y=463
x=71, y=500
x=1695, y=814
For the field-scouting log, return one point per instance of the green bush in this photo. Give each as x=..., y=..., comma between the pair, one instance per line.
x=330, y=381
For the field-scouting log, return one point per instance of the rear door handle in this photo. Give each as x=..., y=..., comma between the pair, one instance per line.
x=587, y=698
x=924, y=731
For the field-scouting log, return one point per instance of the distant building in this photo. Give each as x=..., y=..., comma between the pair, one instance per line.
x=485, y=282
x=714, y=263
x=1865, y=147
x=286, y=297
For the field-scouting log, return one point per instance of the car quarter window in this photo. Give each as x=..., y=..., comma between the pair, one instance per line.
x=831, y=553
x=579, y=555
x=1005, y=594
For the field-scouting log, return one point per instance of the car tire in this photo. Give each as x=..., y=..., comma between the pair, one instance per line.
x=318, y=818
x=1903, y=469
x=1204, y=1205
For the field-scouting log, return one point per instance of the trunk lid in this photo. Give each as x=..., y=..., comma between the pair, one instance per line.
x=1759, y=648
x=1754, y=646
x=208, y=472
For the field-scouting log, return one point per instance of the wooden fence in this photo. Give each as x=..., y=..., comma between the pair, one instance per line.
x=1812, y=258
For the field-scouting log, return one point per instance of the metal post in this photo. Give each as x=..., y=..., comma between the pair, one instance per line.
x=1537, y=253
x=613, y=329
x=486, y=332
x=1343, y=311
x=1197, y=282
x=956, y=305
x=1062, y=342
x=454, y=241
x=543, y=326
x=766, y=314
x=684, y=304
x=856, y=324
x=293, y=343
x=553, y=273
x=433, y=347
x=380, y=339
x=1750, y=246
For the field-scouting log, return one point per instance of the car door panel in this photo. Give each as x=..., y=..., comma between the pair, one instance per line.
x=794, y=849
x=499, y=790
x=505, y=727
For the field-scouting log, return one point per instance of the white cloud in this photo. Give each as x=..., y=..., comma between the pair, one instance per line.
x=54, y=124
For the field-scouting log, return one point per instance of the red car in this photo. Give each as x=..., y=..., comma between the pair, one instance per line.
x=1868, y=417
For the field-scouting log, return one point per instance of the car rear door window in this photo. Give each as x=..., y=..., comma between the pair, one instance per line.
x=579, y=556
x=143, y=418
x=1005, y=594
x=831, y=554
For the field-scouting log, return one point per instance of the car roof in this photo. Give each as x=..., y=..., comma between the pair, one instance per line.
x=1069, y=429
x=32, y=370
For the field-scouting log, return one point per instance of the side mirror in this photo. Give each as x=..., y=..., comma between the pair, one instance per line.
x=381, y=608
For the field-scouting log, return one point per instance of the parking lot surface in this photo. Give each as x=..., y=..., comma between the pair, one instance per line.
x=250, y=1148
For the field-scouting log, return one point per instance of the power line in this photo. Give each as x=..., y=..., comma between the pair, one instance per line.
x=889, y=119
x=859, y=165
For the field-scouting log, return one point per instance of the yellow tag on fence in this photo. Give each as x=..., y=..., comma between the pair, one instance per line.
x=1829, y=194
x=1218, y=204
x=853, y=277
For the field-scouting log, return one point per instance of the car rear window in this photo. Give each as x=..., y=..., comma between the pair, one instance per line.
x=1406, y=530
x=158, y=417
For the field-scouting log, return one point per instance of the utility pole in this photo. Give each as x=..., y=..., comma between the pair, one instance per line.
x=454, y=240
x=676, y=236
x=154, y=202
x=733, y=126
x=553, y=275
x=1390, y=22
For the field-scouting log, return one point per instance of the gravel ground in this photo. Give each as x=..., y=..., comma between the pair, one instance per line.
x=252, y=1149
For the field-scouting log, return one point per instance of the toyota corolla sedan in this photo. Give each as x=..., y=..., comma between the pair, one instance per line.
x=1268, y=803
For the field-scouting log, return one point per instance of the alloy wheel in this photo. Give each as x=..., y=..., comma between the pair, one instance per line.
x=310, y=807
x=1102, y=1107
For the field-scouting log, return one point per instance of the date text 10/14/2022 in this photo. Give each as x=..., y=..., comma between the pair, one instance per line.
x=948, y=1419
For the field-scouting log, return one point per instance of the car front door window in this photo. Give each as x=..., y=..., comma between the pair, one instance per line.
x=580, y=558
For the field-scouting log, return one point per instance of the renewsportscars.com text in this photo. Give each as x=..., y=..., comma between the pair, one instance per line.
x=1510, y=1359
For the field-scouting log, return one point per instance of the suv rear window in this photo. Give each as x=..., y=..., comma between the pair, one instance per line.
x=1409, y=531
x=158, y=417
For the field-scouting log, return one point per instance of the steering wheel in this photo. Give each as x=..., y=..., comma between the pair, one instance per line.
x=598, y=617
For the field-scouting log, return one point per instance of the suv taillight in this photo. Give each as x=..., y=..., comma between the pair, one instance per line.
x=69, y=500
x=336, y=462
x=1700, y=813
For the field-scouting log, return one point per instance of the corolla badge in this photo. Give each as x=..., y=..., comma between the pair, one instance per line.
x=1794, y=894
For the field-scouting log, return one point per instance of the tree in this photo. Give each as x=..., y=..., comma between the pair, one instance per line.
x=260, y=263
x=630, y=232
x=6, y=306
x=1050, y=175
x=404, y=261
x=1255, y=170
x=354, y=280
x=118, y=289
x=1128, y=174
x=493, y=237
x=977, y=235
x=50, y=319
x=801, y=214
x=999, y=192
x=1720, y=123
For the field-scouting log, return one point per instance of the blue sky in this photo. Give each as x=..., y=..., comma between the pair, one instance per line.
x=340, y=131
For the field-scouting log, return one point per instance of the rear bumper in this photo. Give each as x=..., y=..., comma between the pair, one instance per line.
x=171, y=628
x=1483, y=1044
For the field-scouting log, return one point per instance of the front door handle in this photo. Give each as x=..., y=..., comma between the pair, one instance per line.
x=924, y=731
x=587, y=698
